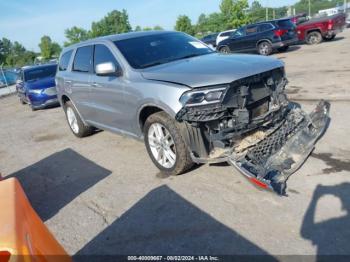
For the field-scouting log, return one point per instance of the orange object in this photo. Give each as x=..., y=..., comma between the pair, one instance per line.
x=23, y=236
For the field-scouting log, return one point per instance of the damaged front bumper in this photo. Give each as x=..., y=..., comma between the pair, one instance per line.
x=255, y=128
x=272, y=160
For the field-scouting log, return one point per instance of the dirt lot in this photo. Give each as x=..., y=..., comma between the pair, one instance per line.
x=102, y=194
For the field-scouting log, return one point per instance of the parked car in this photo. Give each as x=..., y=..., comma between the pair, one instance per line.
x=224, y=35
x=37, y=87
x=210, y=39
x=323, y=28
x=189, y=103
x=264, y=37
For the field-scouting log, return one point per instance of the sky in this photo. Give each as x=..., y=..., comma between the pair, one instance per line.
x=27, y=21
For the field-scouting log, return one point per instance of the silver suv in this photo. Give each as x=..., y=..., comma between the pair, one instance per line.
x=189, y=103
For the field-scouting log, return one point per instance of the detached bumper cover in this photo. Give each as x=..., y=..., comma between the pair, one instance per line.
x=272, y=160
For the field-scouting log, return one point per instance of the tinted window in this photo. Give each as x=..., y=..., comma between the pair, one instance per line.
x=226, y=34
x=285, y=23
x=239, y=32
x=103, y=55
x=155, y=49
x=265, y=27
x=39, y=73
x=251, y=30
x=83, y=59
x=64, y=61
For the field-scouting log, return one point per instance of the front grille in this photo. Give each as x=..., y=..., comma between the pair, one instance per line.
x=260, y=153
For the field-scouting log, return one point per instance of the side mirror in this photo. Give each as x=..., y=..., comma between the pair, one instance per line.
x=107, y=69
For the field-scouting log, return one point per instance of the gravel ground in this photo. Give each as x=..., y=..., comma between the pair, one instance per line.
x=103, y=195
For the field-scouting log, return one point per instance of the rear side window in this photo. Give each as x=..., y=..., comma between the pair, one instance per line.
x=285, y=23
x=83, y=59
x=251, y=30
x=103, y=55
x=265, y=27
x=64, y=61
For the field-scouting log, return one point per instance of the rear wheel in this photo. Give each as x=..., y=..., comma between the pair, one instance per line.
x=283, y=49
x=165, y=145
x=313, y=38
x=265, y=48
x=225, y=50
x=74, y=121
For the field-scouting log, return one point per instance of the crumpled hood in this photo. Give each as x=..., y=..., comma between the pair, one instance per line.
x=211, y=69
x=41, y=83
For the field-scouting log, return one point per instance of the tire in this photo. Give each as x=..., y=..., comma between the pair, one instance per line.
x=178, y=147
x=313, y=38
x=225, y=50
x=22, y=101
x=265, y=48
x=329, y=38
x=76, y=125
x=283, y=49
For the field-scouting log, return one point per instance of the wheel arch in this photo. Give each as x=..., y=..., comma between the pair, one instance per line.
x=64, y=99
x=263, y=40
x=146, y=110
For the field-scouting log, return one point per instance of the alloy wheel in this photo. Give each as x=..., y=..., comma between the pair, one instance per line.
x=72, y=120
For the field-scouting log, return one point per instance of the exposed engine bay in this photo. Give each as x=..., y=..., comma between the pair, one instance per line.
x=253, y=126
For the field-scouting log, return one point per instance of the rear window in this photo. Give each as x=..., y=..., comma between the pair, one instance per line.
x=285, y=23
x=83, y=59
x=64, y=61
x=226, y=34
x=265, y=27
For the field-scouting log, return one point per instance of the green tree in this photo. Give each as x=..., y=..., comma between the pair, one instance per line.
x=115, y=22
x=138, y=28
x=76, y=35
x=48, y=48
x=234, y=13
x=183, y=24
x=158, y=27
x=5, y=49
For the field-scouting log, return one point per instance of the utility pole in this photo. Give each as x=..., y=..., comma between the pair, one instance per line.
x=345, y=6
x=274, y=14
x=309, y=8
x=267, y=13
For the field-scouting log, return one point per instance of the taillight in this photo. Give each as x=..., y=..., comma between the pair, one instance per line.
x=330, y=24
x=280, y=32
x=5, y=256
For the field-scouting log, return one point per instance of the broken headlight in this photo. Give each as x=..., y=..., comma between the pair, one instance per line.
x=205, y=96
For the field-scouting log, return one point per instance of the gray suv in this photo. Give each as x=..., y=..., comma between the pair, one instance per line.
x=189, y=103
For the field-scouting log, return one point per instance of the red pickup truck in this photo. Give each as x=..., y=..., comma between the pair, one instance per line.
x=315, y=30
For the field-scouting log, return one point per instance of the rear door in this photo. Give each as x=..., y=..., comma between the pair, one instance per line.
x=252, y=37
x=107, y=94
x=78, y=82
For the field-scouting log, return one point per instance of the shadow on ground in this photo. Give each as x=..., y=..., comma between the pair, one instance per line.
x=53, y=182
x=165, y=223
x=331, y=237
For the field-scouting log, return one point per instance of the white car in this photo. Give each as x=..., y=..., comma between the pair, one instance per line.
x=224, y=35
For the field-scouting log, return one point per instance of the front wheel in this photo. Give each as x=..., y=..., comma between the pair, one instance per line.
x=225, y=50
x=265, y=48
x=313, y=38
x=165, y=145
x=74, y=121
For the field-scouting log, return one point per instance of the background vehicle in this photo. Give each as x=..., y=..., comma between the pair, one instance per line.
x=264, y=37
x=37, y=87
x=224, y=35
x=23, y=236
x=323, y=28
x=210, y=39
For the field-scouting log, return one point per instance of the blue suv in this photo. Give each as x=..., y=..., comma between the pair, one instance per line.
x=37, y=87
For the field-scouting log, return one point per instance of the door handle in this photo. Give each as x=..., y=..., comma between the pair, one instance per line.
x=95, y=85
x=67, y=81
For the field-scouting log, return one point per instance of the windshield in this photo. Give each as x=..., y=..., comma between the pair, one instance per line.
x=41, y=72
x=151, y=50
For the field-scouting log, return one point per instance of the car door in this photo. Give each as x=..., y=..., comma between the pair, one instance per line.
x=78, y=82
x=107, y=94
x=237, y=40
x=251, y=38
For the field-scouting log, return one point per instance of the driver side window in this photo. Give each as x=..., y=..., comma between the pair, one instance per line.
x=102, y=55
x=239, y=32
